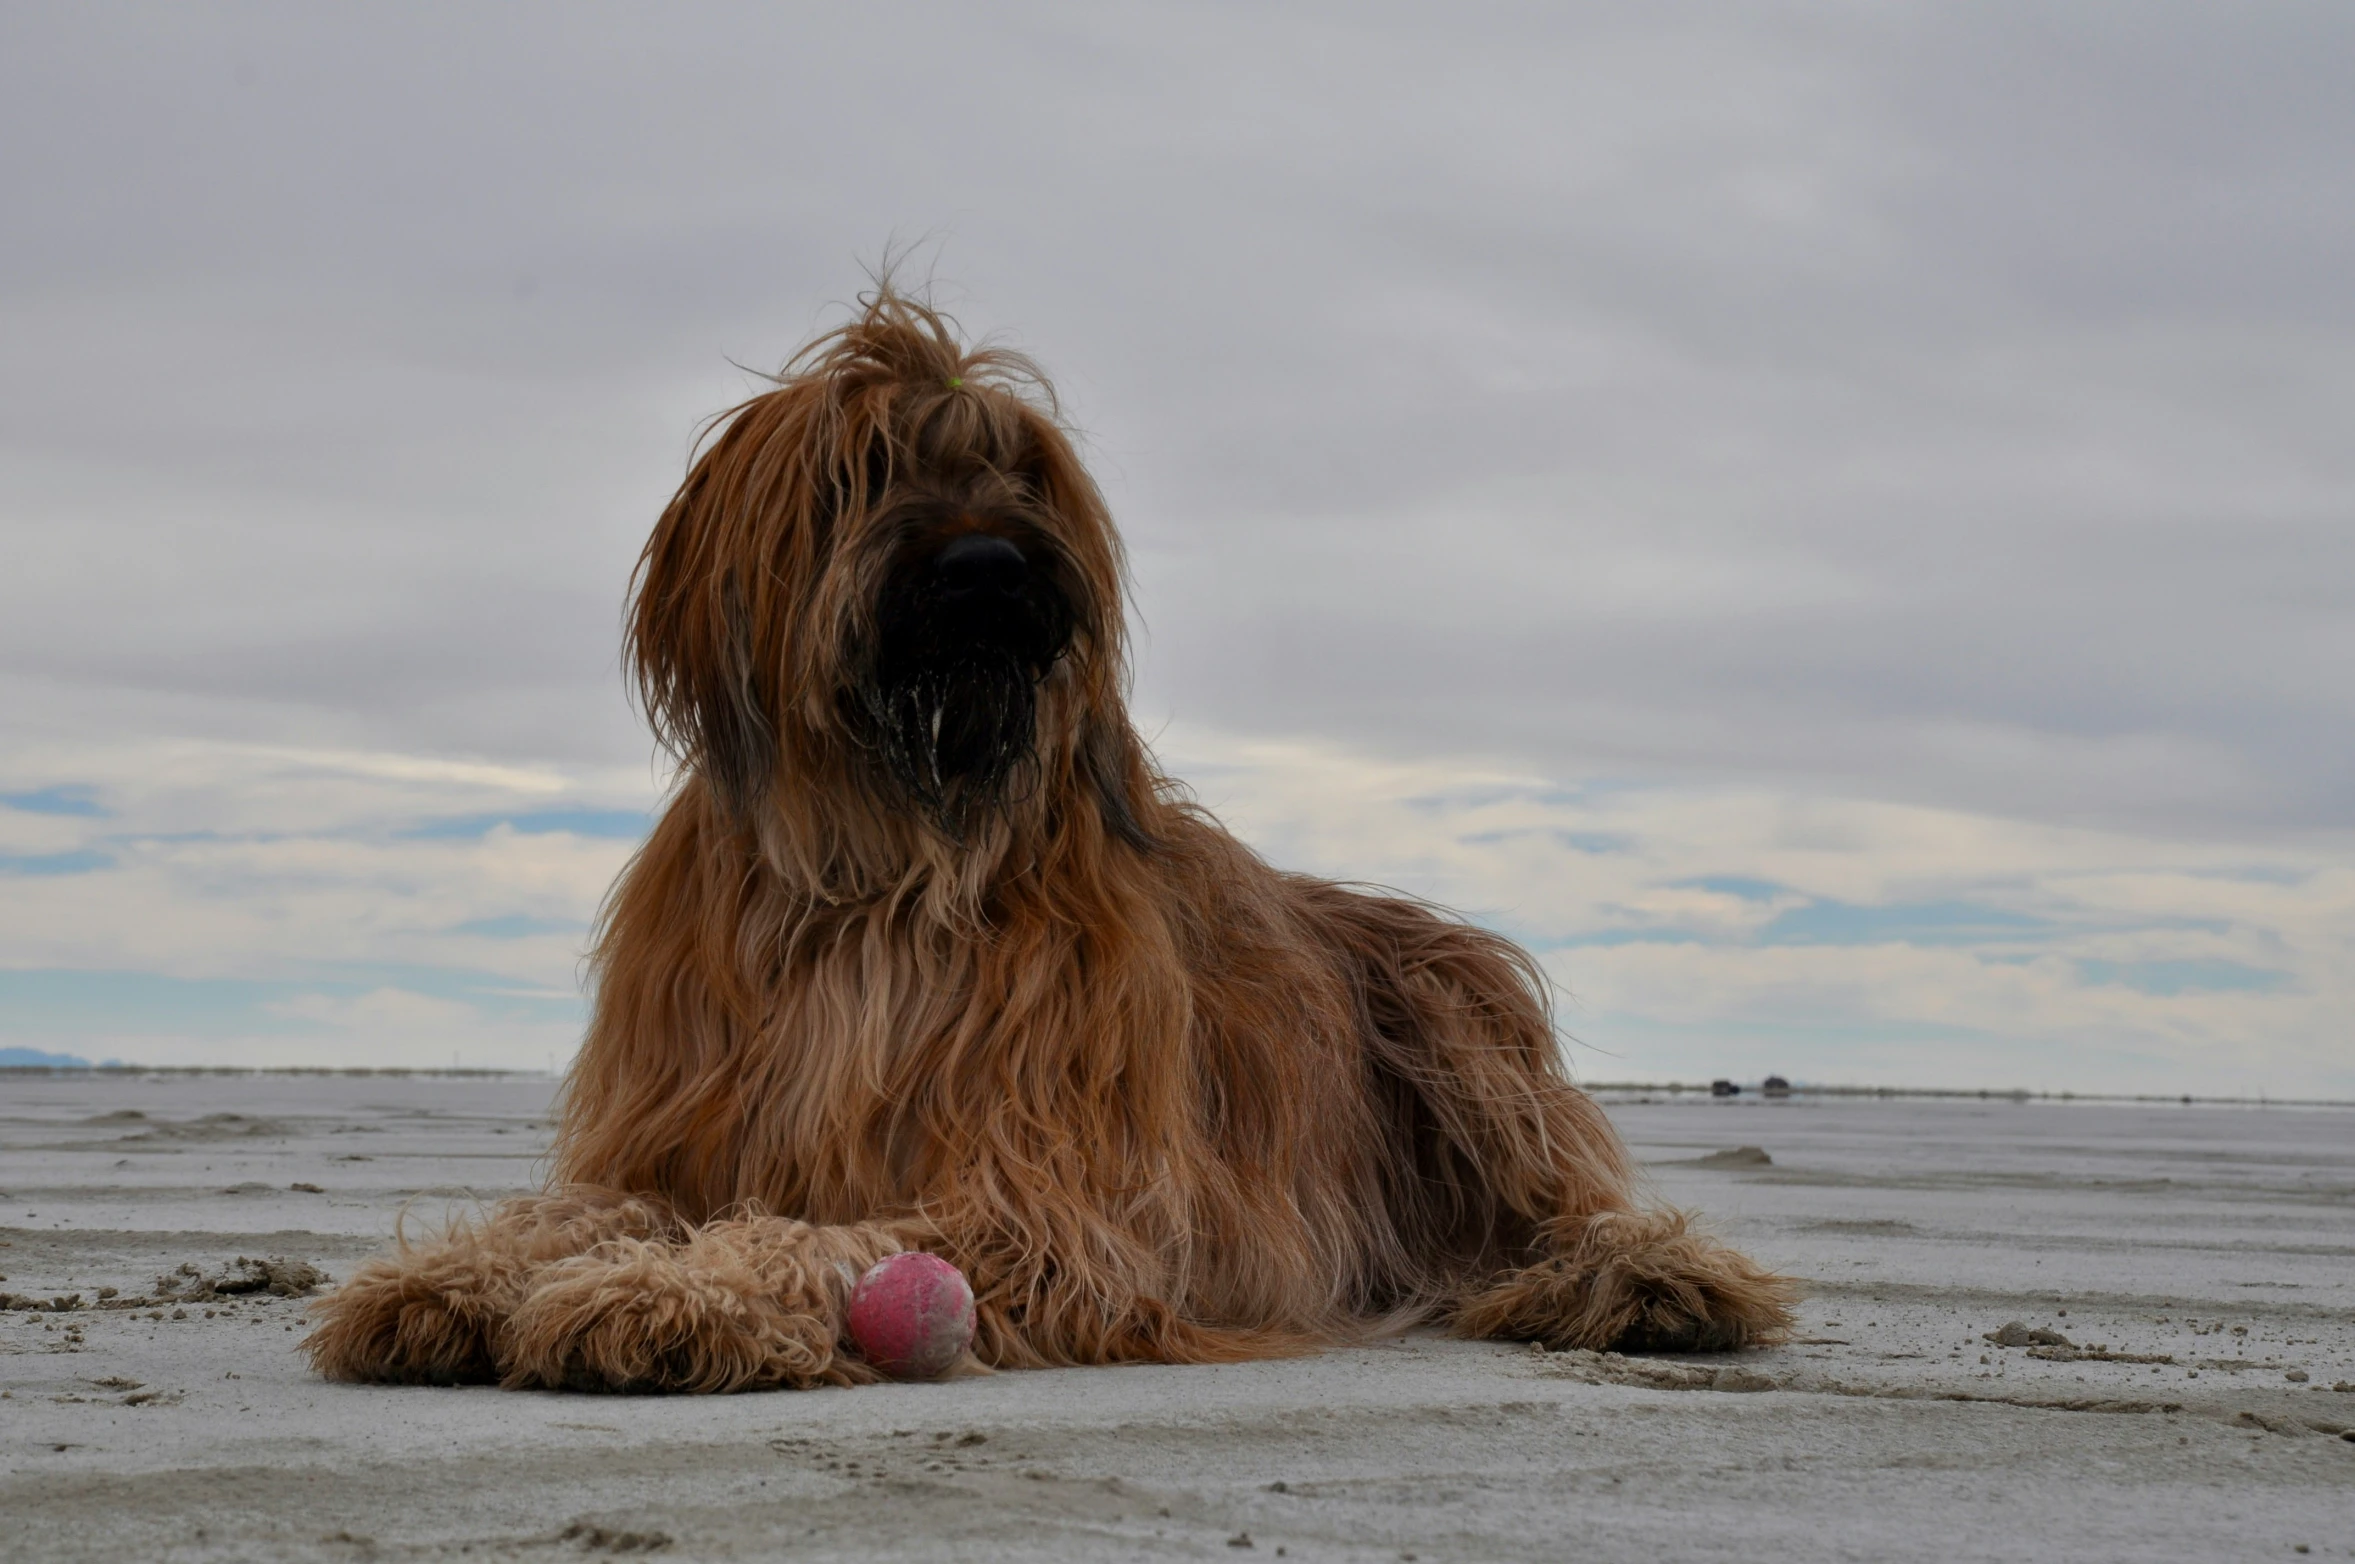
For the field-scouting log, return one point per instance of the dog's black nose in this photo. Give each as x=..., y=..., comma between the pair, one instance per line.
x=978, y=562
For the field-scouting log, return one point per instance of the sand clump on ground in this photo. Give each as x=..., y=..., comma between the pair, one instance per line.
x=277, y=1276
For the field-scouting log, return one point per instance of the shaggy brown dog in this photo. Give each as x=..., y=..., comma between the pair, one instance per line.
x=926, y=953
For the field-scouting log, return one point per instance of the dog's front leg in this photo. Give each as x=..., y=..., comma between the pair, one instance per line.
x=1636, y=1280
x=432, y=1312
x=1599, y=1268
x=745, y=1303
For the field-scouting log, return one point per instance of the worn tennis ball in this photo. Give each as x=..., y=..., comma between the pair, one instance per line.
x=912, y=1315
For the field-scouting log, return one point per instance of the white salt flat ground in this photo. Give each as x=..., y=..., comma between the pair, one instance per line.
x=2221, y=1238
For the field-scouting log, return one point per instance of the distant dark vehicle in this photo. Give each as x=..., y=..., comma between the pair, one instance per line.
x=1724, y=1089
x=1775, y=1086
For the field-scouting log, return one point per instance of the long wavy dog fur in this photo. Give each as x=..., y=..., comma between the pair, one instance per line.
x=926, y=953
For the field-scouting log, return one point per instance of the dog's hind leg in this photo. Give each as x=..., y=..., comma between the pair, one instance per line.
x=432, y=1311
x=1508, y=1184
x=742, y=1303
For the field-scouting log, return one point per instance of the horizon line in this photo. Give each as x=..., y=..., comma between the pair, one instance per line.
x=1745, y=1091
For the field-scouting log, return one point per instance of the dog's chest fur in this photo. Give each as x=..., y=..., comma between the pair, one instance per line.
x=1180, y=1058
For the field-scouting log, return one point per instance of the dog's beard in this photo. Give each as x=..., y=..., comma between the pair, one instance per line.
x=949, y=699
x=953, y=737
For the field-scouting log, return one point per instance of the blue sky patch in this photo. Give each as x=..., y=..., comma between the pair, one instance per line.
x=85, y=860
x=1434, y=805
x=623, y=825
x=54, y=1004
x=2168, y=978
x=21, y=1058
x=2256, y=874
x=69, y=798
x=1596, y=843
x=1593, y=843
x=1736, y=885
x=1899, y=923
x=1820, y=923
x=517, y=925
x=55, y=1000
x=494, y=995
x=1606, y=938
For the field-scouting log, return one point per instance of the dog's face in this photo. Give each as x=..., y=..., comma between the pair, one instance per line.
x=974, y=604
x=891, y=574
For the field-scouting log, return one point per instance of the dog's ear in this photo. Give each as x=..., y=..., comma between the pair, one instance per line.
x=1108, y=757
x=691, y=649
x=731, y=561
x=737, y=731
x=1113, y=765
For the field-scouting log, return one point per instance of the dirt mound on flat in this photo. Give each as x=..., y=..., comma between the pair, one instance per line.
x=213, y=1126
x=276, y=1275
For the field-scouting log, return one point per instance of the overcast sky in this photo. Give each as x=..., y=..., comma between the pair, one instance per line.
x=1837, y=522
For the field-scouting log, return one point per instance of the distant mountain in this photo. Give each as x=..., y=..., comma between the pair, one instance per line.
x=34, y=1056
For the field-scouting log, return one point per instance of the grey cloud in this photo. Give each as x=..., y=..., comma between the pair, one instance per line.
x=1935, y=403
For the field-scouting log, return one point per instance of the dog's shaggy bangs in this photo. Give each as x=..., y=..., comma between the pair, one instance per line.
x=755, y=597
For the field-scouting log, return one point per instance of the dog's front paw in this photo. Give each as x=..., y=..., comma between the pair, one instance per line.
x=424, y=1317
x=1636, y=1281
x=636, y=1315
